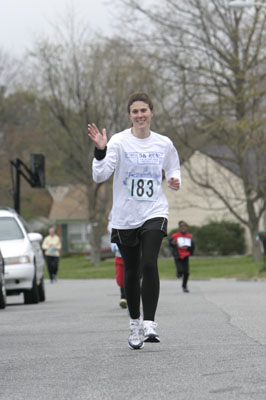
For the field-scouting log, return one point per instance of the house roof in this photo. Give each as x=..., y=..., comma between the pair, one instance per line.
x=253, y=161
x=69, y=202
x=254, y=158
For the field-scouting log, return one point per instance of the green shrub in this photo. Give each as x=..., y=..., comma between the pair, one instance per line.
x=221, y=238
x=217, y=238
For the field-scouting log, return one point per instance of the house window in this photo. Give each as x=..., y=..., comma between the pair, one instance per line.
x=77, y=233
x=75, y=237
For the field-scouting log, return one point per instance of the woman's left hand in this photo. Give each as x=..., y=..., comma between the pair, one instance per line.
x=174, y=183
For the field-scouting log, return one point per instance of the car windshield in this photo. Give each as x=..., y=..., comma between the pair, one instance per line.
x=9, y=229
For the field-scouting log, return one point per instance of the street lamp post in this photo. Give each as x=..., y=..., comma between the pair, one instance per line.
x=245, y=4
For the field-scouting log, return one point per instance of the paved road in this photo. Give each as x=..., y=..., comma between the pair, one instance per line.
x=74, y=346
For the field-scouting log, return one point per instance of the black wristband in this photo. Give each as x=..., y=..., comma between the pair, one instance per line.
x=100, y=154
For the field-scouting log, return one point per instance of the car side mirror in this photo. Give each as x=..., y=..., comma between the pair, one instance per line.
x=34, y=236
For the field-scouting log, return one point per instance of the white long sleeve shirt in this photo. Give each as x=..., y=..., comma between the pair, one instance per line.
x=137, y=165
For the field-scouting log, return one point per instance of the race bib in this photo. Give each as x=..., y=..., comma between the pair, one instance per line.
x=184, y=242
x=142, y=189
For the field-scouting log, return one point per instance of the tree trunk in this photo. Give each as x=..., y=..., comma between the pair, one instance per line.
x=256, y=248
x=95, y=242
x=100, y=197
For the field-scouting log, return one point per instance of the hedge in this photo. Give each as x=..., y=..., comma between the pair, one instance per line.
x=215, y=238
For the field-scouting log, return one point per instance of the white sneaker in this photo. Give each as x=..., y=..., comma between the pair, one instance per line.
x=150, y=335
x=135, y=341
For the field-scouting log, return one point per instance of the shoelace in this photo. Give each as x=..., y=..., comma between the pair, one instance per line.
x=149, y=328
x=135, y=331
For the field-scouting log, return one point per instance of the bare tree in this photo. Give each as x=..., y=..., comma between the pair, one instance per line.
x=81, y=80
x=212, y=59
x=15, y=109
x=9, y=68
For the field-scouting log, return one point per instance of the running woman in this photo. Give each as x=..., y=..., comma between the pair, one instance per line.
x=137, y=156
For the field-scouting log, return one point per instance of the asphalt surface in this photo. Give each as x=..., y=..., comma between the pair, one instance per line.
x=74, y=345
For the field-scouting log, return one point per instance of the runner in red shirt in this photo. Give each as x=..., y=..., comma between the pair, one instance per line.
x=183, y=247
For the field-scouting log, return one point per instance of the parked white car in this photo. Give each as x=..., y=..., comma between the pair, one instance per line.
x=23, y=257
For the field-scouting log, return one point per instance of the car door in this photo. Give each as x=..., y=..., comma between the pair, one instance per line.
x=35, y=241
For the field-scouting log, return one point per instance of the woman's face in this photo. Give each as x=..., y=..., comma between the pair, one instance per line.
x=140, y=115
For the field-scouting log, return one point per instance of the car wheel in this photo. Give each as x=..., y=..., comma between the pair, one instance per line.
x=32, y=296
x=41, y=290
x=2, y=292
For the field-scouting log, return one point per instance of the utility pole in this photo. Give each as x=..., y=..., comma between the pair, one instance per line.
x=17, y=187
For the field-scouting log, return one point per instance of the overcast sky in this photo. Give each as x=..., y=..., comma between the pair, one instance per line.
x=23, y=20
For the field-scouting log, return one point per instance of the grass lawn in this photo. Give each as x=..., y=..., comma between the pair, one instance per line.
x=78, y=267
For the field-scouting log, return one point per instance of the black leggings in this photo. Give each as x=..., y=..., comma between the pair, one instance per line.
x=182, y=269
x=141, y=261
x=52, y=265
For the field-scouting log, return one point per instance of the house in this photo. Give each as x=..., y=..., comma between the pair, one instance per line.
x=69, y=212
x=196, y=205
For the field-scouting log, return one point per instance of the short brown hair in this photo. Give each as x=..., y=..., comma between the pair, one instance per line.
x=182, y=222
x=139, y=96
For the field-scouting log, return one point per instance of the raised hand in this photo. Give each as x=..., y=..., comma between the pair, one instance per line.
x=100, y=139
